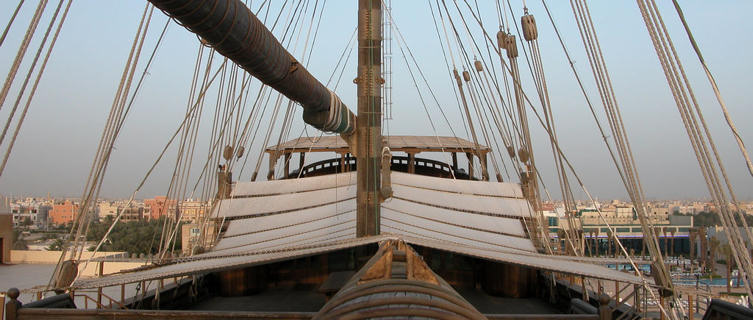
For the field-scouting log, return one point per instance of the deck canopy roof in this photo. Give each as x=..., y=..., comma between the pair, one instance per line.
x=278, y=220
x=408, y=144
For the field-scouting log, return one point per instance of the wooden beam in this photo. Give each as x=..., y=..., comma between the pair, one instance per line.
x=369, y=119
x=485, y=169
x=287, y=164
x=272, y=163
x=130, y=314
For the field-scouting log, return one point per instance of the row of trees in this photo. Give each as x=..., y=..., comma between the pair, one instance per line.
x=711, y=219
x=133, y=236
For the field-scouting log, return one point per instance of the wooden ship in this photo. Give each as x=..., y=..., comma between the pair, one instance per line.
x=374, y=231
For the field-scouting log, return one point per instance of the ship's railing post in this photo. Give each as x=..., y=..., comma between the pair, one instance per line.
x=287, y=157
x=661, y=305
x=617, y=291
x=12, y=306
x=604, y=312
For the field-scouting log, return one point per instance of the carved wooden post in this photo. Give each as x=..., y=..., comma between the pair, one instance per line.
x=272, y=163
x=485, y=171
x=411, y=162
x=604, y=312
x=454, y=162
x=99, y=290
x=661, y=303
x=287, y=164
x=617, y=292
x=12, y=306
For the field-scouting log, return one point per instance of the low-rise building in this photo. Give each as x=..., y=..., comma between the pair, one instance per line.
x=191, y=236
x=30, y=213
x=6, y=231
x=623, y=222
x=132, y=212
x=63, y=212
x=192, y=210
x=159, y=206
x=107, y=209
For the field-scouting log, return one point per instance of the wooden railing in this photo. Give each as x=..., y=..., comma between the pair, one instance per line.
x=98, y=301
x=45, y=314
x=399, y=163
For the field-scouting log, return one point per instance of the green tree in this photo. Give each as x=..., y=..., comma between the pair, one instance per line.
x=19, y=243
x=56, y=245
x=133, y=236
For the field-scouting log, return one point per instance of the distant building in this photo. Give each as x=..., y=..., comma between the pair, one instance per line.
x=32, y=211
x=107, y=208
x=64, y=212
x=191, y=236
x=6, y=231
x=192, y=211
x=159, y=206
x=131, y=213
x=672, y=231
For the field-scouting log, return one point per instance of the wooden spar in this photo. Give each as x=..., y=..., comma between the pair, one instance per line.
x=369, y=121
x=234, y=31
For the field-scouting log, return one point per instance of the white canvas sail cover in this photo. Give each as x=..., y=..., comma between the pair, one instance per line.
x=269, y=221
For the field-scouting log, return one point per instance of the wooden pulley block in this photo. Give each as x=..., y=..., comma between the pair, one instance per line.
x=501, y=37
x=530, y=32
x=511, y=46
x=466, y=76
x=523, y=155
x=478, y=65
x=227, y=153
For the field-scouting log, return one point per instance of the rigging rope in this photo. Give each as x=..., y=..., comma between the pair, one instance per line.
x=10, y=22
x=614, y=116
x=22, y=50
x=509, y=70
x=106, y=143
x=718, y=94
x=29, y=74
x=691, y=114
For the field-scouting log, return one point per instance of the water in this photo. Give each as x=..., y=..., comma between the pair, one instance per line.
x=685, y=281
x=646, y=268
x=717, y=282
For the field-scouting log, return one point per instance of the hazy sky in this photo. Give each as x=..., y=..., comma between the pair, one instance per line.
x=56, y=145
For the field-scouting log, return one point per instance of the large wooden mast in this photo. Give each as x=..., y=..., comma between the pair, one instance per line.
x=369, y=119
